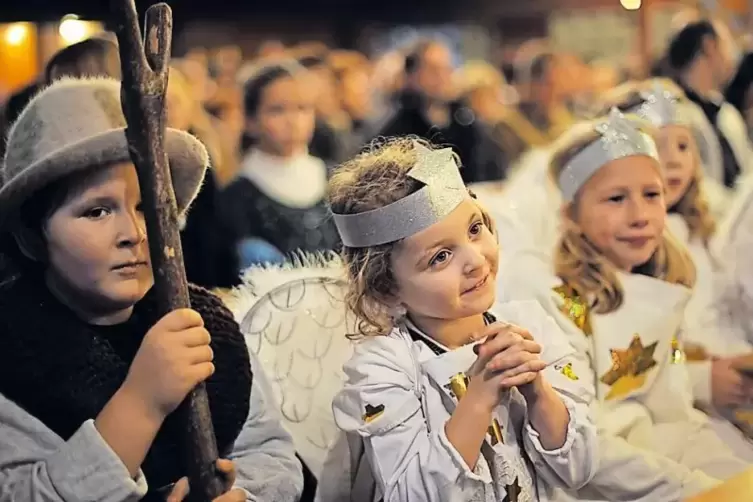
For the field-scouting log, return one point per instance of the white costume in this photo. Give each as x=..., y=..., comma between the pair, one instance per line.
x=655, y=446
x=526, y=208
x=704, y=327
x=733, y=245
x=295, y=322
x=405, y=384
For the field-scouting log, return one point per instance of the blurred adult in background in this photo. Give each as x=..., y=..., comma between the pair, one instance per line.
x=428, y=107
x=354, y=78
x=702, y=60
x=738, y=91
x=329, y=141
x=271, y=49
x=482, y=87
x=208, y=252
x=13, y=108
x=94, y=57
x=541, y=115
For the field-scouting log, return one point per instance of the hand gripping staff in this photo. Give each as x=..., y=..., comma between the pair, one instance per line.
x=145, y=73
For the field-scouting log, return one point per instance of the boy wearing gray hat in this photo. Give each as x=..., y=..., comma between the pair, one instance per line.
x=90, y=375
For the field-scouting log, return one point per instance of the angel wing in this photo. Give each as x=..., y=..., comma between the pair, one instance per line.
x=295, y=321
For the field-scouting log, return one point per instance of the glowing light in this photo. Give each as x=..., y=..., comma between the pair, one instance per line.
x=72, y=29
x=16, y=33
x=630, y=4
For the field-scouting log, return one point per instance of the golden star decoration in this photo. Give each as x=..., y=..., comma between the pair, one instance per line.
x=567, y=370
x=629, y=368
x=574, y=308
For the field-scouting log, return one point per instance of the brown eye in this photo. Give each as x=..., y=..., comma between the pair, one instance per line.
x=440, y=258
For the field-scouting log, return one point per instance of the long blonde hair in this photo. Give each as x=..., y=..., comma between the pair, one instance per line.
x=583, y=267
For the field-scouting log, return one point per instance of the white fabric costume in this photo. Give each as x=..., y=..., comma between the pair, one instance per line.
x=654, y=445
x=526, y=208
x=295, y=321
x=406, y=443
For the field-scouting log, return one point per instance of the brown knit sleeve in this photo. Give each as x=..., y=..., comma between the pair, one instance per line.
x=229, y=388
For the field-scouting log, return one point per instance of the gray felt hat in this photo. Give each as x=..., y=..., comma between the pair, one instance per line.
x=78, y=124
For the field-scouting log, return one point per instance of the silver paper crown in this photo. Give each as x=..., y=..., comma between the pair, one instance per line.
x=661, y=107
x=618, y=138
x=442, y=192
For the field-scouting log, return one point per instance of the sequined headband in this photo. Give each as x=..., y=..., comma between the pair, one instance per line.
x=661, y=108
x=442, y=192
x=618, y=138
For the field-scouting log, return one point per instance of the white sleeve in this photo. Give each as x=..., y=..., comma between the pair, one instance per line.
x=410, y=463
x=263, y=453
x=37, y=466
x=700, y=381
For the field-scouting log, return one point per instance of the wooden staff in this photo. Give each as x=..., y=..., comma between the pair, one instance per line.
x=145, y=74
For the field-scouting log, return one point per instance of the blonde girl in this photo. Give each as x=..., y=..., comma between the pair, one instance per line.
x=717, y=383
x=422, y=262
x=618, y=285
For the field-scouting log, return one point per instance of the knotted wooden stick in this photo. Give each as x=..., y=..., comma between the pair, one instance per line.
x=145, y=75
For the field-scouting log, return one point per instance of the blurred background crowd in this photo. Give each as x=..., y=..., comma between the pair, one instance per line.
x=282, y=93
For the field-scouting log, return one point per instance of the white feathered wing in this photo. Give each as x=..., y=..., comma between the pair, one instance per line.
x=295, y=320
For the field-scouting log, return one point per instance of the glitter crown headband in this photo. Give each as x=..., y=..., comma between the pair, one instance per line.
x=442, y=192
x=618, y=138
x=661, y=107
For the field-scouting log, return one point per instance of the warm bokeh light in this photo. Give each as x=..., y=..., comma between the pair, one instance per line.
x=16, y=33
x=73, y=30
x=631, y=4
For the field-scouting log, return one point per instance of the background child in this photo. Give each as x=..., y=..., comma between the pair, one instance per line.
x=278, y=195
x=623, y=282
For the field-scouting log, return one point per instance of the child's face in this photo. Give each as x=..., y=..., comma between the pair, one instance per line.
x=284, y=122
x=679, y=158
x=621, y=210
x=96, y=242
x=448, y=271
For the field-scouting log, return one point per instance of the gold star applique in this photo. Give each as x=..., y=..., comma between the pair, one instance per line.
x=574, y=308
x=372, y=413
x=567, y=370
x=629, y=368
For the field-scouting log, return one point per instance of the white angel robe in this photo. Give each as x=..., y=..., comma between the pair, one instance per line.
x=703, y=327
x=700, y=318
x=654, y=444
x=397, y=400
x=733, y=247
x=526, y=208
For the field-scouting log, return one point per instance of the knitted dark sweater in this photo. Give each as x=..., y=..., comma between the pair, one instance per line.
x=63, y=371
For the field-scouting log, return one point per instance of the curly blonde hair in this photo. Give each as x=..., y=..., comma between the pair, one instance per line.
x=692, y=206
x=581, y=266
x=375, y=178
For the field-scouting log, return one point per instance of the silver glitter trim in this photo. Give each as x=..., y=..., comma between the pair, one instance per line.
x=661, y=108
x=619, y=138
x=442, y=192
